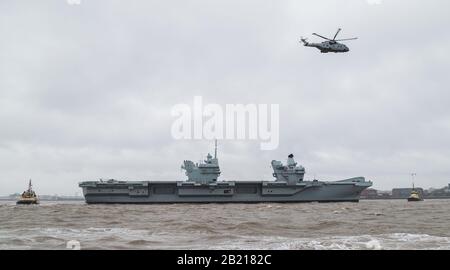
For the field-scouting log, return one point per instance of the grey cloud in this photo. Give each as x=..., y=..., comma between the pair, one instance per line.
x=86, y=91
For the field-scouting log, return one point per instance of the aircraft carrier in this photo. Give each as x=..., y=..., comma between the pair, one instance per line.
x=203, y=186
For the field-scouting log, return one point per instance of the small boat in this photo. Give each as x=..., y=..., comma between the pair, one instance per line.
x=414, y=196
x=28, y=196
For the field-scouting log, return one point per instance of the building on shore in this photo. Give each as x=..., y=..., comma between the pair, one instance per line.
x=404, y=193
x=369, y=193
x=438, y=193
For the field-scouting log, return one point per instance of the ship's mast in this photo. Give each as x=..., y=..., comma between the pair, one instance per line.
x=29, y=185
x=215, y=149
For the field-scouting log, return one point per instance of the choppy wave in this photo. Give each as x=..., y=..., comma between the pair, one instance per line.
x=365, y=225
x=376, y=242
x=112, y=238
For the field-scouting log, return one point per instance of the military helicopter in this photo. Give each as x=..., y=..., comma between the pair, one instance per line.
x=331, y=45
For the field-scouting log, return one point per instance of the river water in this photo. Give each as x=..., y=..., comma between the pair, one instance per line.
x=369, y=224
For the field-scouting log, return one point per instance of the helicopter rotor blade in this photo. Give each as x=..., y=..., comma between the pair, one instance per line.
x=346, y=39
x=321, y=36
x=339, y=30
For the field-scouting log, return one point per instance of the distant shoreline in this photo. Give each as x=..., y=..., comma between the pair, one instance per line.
x=425, y=198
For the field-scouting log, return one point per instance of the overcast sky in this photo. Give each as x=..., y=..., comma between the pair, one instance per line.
x=86, y=90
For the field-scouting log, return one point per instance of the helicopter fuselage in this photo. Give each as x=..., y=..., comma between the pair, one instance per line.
x=329, y=46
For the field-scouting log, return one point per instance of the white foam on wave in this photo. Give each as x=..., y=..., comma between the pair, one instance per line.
x=106, y=238
x=373, y=242
x=93, y=237
x=100, y=238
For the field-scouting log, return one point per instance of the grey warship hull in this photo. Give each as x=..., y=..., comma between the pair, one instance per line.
x=146, y=192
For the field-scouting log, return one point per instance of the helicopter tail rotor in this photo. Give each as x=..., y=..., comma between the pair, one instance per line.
x=304, y=40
